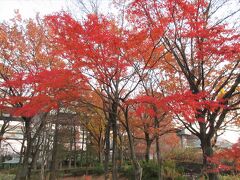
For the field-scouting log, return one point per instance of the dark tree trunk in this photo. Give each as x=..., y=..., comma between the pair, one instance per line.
x=75, y=146
x=148, y=147
x=71, y=147
x=114, y=150
x=44, y=157
x=136, y=165
x=100, y=153
x=35, y=156
x=3, y=130
x=113, y=120
x=54, y=162
x=24, y=171
x=100, y=159
x=22, y=151
x=159, y=159
x=120, y=150
x=107, y=151
x=82, y=149
x=207, y=152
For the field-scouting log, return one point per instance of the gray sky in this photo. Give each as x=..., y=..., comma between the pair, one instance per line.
x=29, y=8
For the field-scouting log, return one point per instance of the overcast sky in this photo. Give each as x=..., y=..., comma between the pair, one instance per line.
x=29, y=8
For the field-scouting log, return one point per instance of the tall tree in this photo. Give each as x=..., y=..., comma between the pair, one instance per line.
x=95, y=47
x=205, y=54
x=24, y=51
x=26, y=65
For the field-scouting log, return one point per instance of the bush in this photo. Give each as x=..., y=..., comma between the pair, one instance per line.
x=189, y=167
x=98, y=170
x=170, y=171
x=151, y=169
x=185, y=155
x=127, y=171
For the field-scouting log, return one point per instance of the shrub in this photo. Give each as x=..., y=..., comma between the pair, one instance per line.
x=127, y=171
x=150, y=170
x=184, y=155
x=98, y=170
x=170, y=171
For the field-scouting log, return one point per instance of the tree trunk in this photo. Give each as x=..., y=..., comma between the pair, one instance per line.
x=159, y=159
x=113, y=121
x=148, y=146
x=82, y=149
x=70, y=162
x=207, y=151
x=54, y=162
x=100, y=159
x=44, y=155
x=3, y=130
x=107, y=151
x=100, y=155
x=22, y=152
x=136, y=165
x=34, y=159
x=120, y=150
x=42, y=172
x=70, y=148
x=114, y=150
x=24, y=170
x=75, y=146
